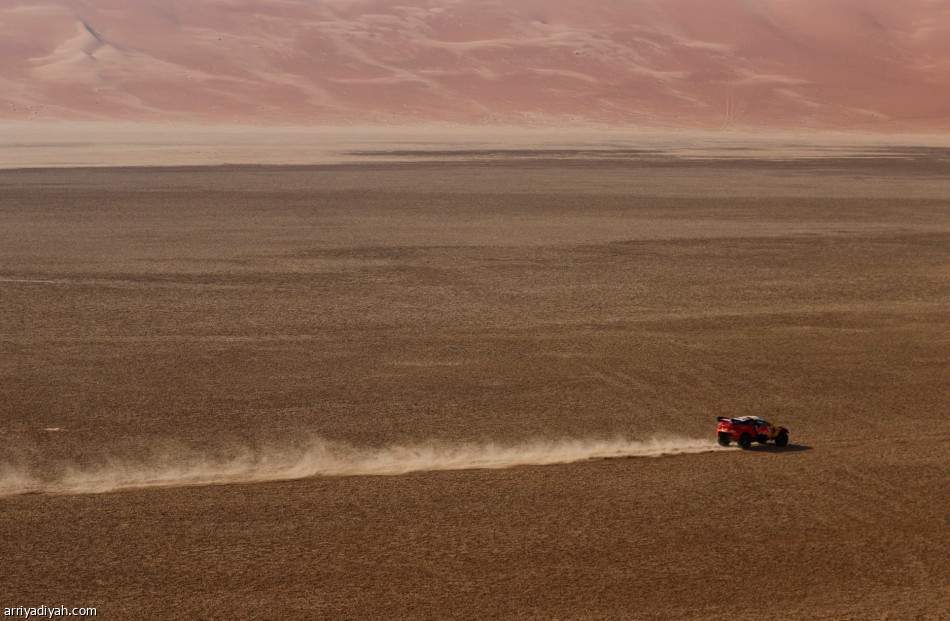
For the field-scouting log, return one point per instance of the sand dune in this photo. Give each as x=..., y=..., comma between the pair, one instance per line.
x=861, y=64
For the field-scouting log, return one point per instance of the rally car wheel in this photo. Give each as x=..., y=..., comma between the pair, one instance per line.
x=724, y=439
x=782, y=439
x=745, y=441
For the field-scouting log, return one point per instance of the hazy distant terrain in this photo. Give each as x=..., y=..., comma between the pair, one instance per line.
x=859, y=64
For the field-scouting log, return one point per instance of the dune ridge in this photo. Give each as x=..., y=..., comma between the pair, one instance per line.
x=713, y=64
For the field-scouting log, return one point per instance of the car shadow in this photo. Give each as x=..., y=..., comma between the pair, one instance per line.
x=771, y=448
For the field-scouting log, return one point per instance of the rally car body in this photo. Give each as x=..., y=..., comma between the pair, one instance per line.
x=748, y=429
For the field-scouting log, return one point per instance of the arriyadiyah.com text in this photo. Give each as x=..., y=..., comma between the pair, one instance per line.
x=48, y=612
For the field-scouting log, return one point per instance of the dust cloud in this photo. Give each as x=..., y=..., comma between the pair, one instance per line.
x=329, y=459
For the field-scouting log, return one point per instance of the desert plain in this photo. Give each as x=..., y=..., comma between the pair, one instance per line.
x=426, y=310
x=268, y=392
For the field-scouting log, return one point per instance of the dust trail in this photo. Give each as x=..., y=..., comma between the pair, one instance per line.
x=322, y=458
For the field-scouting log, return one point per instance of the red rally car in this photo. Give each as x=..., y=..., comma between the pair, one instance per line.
x=748, y=429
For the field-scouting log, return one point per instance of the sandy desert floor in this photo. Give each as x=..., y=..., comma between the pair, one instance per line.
x=184, y=320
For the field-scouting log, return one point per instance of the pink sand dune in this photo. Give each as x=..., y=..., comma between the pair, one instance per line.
x=858, y=64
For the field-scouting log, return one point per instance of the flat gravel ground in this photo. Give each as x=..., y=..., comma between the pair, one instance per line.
x=223, y=320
